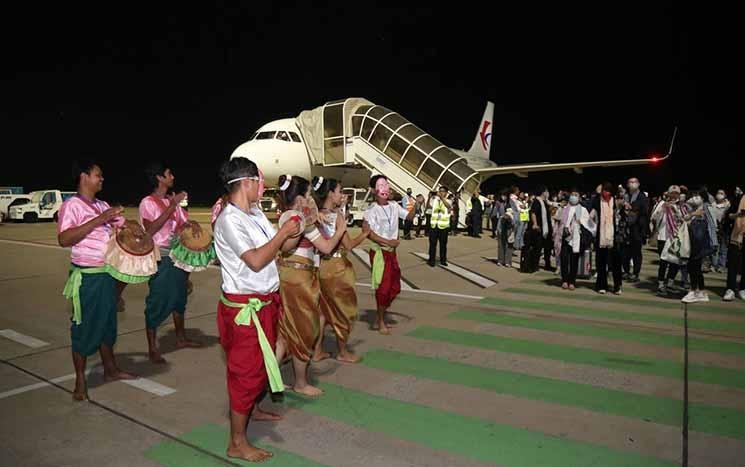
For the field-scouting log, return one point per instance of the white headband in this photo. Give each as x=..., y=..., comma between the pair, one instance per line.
x=318, y=184
x=286, y=184
x=230, y=182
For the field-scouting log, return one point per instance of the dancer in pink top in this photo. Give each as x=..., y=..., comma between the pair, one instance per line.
x=161, y=216
x=85, y=224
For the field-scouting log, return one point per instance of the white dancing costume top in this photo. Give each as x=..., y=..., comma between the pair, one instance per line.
x=383, y=220
x=235, y=233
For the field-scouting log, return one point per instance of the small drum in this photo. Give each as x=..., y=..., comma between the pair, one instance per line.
x=131, y=256
x=191, y=248
x=289, y=214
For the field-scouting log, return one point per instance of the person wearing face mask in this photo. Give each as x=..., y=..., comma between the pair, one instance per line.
x=540, y=221
x=606, y=248
x=497, y=211
x=720, y=209
x=702, y=233
x=735, y=224
x=637, y=208
x=666, y=220
x=575, y=233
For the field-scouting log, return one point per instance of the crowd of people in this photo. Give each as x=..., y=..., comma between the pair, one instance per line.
x=599, y=234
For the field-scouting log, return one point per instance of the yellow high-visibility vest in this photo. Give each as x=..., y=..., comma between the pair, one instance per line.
x=440, y=215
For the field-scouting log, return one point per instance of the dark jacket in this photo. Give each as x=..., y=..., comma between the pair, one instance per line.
x=638, y=217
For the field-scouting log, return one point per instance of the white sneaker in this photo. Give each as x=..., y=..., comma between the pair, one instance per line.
x=702, y=296
x=689, y=298
x=729, y=295
x=741, y=294
x=601, y=292
x=618, y=292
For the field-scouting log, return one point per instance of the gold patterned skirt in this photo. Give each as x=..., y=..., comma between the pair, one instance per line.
x=301, y=294
x=338, y=295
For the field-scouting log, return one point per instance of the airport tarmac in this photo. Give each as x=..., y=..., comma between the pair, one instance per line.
x=486, y=366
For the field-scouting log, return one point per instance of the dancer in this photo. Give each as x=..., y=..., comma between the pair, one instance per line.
x=336, y=273
x=381, y=218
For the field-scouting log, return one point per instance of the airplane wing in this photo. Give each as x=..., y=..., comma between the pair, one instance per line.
x=522, y=170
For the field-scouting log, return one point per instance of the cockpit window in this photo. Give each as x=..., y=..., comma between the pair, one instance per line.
x=265, y=135
x=283, y=136
x=294, y=137
x=253, y=136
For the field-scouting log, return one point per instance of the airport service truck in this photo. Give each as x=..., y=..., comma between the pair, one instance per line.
x=11, y=196
x=44, y=204
x=358, y=199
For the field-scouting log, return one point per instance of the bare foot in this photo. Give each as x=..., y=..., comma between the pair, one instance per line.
x=184, y=343
x=263, y=416
x=308, y=390
x=321, y=356
x=119, y=375
x=156, y=357
x=383, y=329
x=348, y=357
x=80, y=394
x=248, y=452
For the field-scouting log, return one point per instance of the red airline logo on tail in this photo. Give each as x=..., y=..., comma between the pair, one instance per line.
x=485, y=137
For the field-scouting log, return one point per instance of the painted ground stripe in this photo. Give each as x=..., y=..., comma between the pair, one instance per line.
x=32, y=387
x=610, y=332
x=28, y=341
x=611, y=314
x=470, y=437
x=143, y=384
x=363, y=256
x=613, y=299
x=470, y=276
x=213, y=439
x=705, y=418
x=569, y=354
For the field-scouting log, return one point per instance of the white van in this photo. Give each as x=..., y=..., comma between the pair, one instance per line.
x=44, y=204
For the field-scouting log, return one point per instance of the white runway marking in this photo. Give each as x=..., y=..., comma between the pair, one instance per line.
x=22, y=338
x=477, y=279
x=142, y=383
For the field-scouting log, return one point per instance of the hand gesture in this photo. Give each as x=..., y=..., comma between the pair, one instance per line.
x=341, y=223
x=111, y=213
x=179, y=197
x=292, y=227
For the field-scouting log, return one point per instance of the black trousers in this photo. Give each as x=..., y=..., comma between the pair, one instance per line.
x=694, y=272
x=407, y=227
x=419, y=225
x=438, y=235
x=569, y=264
x=427, y=226
x=633, y=253
x=548, y=246
x=666, y=270
x=735, y=266
x=608, y=258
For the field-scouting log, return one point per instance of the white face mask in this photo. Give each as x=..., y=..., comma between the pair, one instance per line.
x=682, y=198
x=633, y=186
x=720, y=197
x=573, y=200
x=696, y=201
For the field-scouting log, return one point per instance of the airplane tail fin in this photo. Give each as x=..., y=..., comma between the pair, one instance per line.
x=482, y=143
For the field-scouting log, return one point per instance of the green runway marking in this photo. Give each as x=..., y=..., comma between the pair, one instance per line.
x=608, y=332
x=611, y=360
x=662, y=410
x=470, y=437
x=613, y=299
x=612, y=314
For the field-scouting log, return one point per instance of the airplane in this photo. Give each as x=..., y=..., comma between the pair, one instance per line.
x=296, y=146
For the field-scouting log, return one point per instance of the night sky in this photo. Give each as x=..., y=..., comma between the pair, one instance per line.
x=189, y=84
